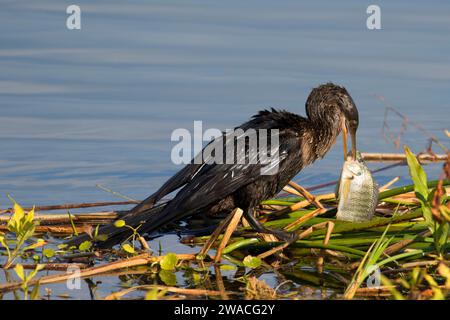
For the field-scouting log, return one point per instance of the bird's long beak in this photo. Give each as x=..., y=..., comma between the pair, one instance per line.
x=344, y=138
x=353, y=138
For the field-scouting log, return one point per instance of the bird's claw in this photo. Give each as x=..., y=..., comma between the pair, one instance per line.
x=289, y=237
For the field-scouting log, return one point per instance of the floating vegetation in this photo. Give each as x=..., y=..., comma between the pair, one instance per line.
x=402, y=253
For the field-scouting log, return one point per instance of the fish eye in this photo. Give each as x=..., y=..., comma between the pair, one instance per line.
x=354, y=169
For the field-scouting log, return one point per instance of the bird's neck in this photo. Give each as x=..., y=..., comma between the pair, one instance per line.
x=325, y=131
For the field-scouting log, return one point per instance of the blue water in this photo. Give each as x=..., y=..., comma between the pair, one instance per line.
x=98, y=105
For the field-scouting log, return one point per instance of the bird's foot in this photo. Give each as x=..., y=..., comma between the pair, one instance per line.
x=289, y=237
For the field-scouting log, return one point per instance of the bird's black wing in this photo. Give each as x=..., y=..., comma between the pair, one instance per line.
x=175, y=182
x=207, y=183
x=265, y=119
x=214, y=182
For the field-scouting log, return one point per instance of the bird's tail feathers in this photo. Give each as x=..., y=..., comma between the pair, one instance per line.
x=149, y=218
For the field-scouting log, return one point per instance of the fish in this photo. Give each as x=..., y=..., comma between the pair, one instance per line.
x=357, y=191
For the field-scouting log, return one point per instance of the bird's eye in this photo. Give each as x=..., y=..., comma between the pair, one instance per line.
x=353, y=124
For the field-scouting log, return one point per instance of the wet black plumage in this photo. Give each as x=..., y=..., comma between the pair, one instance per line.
x=213, y=188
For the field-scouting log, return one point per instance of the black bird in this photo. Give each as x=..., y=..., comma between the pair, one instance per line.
x=207, y=188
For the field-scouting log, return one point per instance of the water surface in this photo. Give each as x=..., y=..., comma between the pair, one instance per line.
x=98, y=105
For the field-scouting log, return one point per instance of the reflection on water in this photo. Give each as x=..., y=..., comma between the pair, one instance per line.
x=97, y=106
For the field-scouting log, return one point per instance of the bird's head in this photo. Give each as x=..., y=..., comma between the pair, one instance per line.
x=350, y=123
x=332, y=101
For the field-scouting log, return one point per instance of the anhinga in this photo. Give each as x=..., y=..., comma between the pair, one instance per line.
x=210, y=188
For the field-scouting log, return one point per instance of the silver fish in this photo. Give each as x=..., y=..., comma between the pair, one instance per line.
x=357, y=192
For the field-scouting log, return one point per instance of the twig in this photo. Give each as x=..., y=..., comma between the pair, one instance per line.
x=81, y=217
x=306, y=194
x=142, y=259
x=304, y=218
x=332, y=183
x=414, y=264
x=273, y=250
x=382, y=157
x=53, y=266
x=220, y=284
x=403, y=243
x=228, y=232
x=390, y=183
x=72, y=206
x=195, y=292
x=144, y=243
x=377, y=291
x=405, y=122
x=216, y=234
x=57, y=230
x=117, y=193
x=301, y=205
x=291, y=190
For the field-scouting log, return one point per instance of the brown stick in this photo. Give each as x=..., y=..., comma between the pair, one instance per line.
x=53, y=266
x=390, y=183
x=74, y=206
x=306, y=194
x=273, y=250
x=304, y=218
x=216, y=234
x=403, y=243
x=301, y=205
x=220, y=284
x=144, y=243
x=142, y=259
x=81, y=217
x=237, y=214
x=195, y=292
x=59, y=230
x=370, y=292
x=383, y=157
x=320, y=260
x=291, y=190
x=332, y=183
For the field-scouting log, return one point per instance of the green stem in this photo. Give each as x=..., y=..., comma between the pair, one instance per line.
x=377, y=222
x=399, y=256
x=408, y=188
x=240, y=244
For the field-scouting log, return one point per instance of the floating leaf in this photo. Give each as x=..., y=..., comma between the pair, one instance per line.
x=128, y=248
x=252, y=262
x=227, y=267
x=155, y=294
x=200, y=257
x=196, y=277
x=169, y=262
x=168, y=277
x=101, y=237
x=85, y=246
x=119, y=223
x=48, y=253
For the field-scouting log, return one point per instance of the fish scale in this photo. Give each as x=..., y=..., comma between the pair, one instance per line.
x=357, y=192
